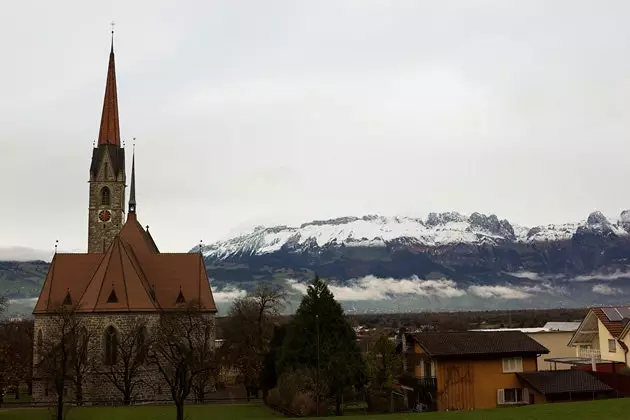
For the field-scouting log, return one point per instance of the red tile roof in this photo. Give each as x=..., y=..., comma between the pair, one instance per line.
x=141, y=278
x=614, y=327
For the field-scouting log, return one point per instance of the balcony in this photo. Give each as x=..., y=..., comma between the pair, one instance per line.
x=589, y=353
x=427, y=383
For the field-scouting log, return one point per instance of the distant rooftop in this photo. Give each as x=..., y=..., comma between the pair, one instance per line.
x=548, y=327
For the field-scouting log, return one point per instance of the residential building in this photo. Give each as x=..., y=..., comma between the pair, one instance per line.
x=601, y=341
x=555, y=336
x=468, y=370
x=122, y=282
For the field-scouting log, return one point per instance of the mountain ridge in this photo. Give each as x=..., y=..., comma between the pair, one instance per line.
x=447, y=228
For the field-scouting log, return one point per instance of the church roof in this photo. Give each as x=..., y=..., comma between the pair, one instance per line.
x=109, y=132
x=67, y=274
x=117, y=284
x=131, y=276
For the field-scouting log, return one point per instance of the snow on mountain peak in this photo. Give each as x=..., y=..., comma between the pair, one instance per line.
x=437, y=230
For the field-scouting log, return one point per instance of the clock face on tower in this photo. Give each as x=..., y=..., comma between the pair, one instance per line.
x=104, y=216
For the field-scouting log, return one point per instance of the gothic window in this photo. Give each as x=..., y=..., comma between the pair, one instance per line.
x=111, y=345
x=105, y=196
x=40, y=345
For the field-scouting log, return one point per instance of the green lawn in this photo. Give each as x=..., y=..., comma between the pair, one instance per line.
x=601, y=410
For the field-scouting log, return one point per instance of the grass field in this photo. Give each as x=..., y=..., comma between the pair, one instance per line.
x=601, y=410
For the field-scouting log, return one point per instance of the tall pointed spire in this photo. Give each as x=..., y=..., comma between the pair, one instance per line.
x=109, y=132
x=132, y=190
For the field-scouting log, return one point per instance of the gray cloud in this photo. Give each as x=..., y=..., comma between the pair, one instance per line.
x=604, y=289
x=616, y=275
x=245, y=111
x=228, y=294
x=374, y=288
x=499, y=292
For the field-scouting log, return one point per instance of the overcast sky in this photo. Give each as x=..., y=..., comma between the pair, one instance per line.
x=280, y=112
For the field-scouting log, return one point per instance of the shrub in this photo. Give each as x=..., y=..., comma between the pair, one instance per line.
x=303, y=405
x=274, y=400
x=294, y=382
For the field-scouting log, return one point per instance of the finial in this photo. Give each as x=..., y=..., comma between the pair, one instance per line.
x=147, y=227
x=112, y=24
x=56, y=243
x=93, y=143
x=134, y=144
x=124, y=142
x=200, y=246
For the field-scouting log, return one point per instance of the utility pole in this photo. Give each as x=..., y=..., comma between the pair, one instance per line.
x=317, y=374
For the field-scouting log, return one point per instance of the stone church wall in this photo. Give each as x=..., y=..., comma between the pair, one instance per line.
x=96, y=387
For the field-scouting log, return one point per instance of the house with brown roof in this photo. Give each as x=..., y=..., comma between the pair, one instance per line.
x=123, y=277
x=602, y=340
x=563, y=386
x=468, y=370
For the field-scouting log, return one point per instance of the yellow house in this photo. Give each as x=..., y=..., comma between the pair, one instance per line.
x=469, y=370
x=602, y=339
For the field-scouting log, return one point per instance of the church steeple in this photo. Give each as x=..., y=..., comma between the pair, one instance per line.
x=109, y=132
x=107, y=172
x=132, y=189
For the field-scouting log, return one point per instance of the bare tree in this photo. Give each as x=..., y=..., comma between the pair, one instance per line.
x=180, y=348
x=248, y=331
x=58, y=351
x=124, y=368
x=207, y=368
x=16, y=353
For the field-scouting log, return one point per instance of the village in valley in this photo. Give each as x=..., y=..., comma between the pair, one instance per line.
x=126, y=331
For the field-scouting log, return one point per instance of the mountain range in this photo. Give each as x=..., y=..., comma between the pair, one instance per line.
x=444, y=261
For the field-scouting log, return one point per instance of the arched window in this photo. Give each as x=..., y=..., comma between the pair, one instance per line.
x=111, y=345
x=105, y=196
x=40, y=345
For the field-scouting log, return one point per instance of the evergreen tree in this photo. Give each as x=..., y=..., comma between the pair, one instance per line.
x=319, y=330
x=268, y=375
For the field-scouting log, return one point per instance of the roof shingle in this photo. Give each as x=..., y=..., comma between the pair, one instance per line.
x=563, y=381
x=477, y=343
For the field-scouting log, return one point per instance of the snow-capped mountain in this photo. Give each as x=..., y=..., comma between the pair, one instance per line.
x=437, y=230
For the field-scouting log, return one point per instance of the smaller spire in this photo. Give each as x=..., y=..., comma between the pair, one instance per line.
x=132, y=190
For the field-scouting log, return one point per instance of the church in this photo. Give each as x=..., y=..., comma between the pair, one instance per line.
x=123, y=276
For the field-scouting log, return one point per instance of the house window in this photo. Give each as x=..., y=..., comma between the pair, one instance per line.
x=111, y=345
x=105, y=196
x=427, y=368
x=512, y=364
x=612, y=345
x=512, y=396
